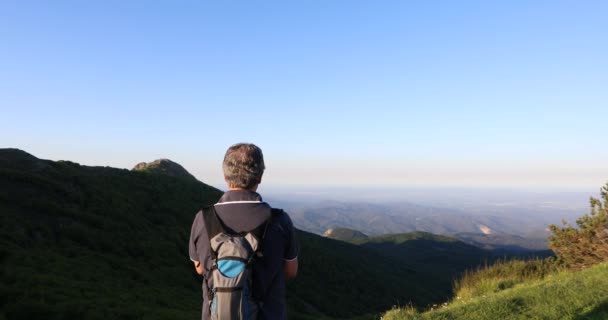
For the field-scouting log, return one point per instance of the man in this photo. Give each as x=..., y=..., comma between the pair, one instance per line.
x=241, y=209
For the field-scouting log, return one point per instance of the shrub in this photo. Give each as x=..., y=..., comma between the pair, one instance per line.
x=586, y=245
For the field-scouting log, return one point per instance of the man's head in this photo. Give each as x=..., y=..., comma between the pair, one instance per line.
x=243, y=166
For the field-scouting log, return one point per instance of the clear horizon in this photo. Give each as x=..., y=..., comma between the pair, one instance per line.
x=421, y=94
x=340, y=189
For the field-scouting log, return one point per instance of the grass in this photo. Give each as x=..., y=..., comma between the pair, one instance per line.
x=503, y=275
x=581, y=295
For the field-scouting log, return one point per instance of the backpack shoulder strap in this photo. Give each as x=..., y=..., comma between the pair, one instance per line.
x=260, y=231
x=213, y=225
x=274, y=214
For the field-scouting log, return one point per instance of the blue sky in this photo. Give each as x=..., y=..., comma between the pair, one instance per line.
x=361, y=93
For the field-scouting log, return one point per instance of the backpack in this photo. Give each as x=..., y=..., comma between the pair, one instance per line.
x=232, y=256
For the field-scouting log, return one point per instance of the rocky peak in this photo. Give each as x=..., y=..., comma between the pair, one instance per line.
x=164, y=166
x=344, y=234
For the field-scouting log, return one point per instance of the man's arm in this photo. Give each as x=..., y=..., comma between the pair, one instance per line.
x=195, y=232
x=290, y=269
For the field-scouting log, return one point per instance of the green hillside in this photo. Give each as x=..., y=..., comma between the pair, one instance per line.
x=82, y=242
x=343, y=280
x=501, y=242
x=416, y=267
x=440, y=258
x=566, y=295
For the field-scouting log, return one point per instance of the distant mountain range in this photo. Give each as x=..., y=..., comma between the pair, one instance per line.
x=485, y=231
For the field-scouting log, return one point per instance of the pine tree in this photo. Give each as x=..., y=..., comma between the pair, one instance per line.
x=588, y=244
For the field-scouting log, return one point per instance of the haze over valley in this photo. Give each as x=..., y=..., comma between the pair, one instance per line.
x=490, y=218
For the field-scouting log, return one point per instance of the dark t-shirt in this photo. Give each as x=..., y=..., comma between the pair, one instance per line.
x=241, y=211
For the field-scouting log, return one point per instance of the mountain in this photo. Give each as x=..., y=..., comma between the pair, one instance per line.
x=345, y=234
x=440, y=258
x=164, y=166
x=19, y=159
x=343, y=280
x=80, y=242
x=377, y=219
x=416, y=268
x=424, y=247
x=521, y=233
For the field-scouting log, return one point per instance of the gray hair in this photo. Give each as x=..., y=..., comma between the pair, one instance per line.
x=243, y=165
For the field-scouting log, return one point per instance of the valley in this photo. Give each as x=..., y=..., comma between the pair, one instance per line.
x=509, y=232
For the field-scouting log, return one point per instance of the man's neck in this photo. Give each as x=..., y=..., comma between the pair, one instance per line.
x=254, y=189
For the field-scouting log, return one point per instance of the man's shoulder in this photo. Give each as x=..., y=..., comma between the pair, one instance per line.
x=278, y=212
x=198, y=218
x=281, y=217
